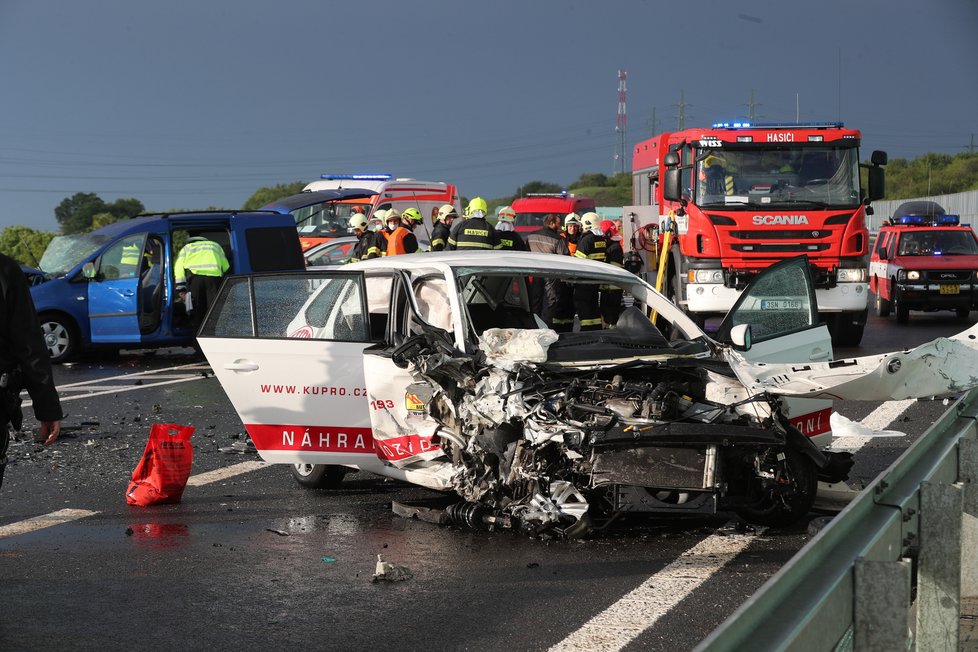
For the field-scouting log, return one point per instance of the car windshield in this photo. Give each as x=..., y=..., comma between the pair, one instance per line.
x=824, y=177
x=66, y=251
x=532, y=219
x=328, y=219
x=937, y=243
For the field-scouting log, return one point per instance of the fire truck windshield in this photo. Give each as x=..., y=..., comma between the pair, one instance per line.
x=826, y=177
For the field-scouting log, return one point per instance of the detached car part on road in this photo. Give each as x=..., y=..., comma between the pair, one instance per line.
x=436, y=370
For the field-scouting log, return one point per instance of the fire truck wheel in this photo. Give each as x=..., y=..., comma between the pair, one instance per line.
x=962, y=313
x=845, y=329
x=319, y=476
x=883, y=306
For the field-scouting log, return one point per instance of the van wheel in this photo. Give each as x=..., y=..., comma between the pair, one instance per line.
x=962, y=313
x=902, y=311
x=319, y=476
x=60, y=336
x=883, y=306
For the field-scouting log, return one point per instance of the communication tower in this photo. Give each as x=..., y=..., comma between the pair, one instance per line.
x=620, y=124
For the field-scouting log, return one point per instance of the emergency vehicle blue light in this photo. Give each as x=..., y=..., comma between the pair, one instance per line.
x=357, y=177
x=910, y=219
x=948, y=220
x=763, y=125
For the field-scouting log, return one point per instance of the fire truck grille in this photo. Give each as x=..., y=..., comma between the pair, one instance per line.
x=794, y=247
x=798, y=235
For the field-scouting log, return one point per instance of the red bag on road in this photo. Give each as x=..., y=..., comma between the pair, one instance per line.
x=162, y=473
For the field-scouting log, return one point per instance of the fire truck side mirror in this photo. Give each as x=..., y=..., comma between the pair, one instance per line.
x=877, y=186
x=672, y=187
x=671, y=160
x=884, y=254
x=879, y=157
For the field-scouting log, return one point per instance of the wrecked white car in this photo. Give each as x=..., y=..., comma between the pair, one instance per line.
x=434, y=369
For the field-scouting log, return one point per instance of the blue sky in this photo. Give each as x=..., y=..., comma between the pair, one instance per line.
x=189, y=104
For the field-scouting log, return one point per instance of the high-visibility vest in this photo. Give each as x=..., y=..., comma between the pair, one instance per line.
x=201, y=257
x=395, y=242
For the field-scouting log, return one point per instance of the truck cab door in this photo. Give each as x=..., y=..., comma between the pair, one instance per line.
x=288, y=351
x=113, y=292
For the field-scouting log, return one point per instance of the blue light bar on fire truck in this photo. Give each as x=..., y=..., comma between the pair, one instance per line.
x=777, y=125
x=357, y=177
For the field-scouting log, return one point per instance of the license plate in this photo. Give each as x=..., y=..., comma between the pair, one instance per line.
x=780, y=304
x=950, y=289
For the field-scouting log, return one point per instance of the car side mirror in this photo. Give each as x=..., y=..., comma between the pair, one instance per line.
x=740, y=337
x=88, y=270
x=884, y=254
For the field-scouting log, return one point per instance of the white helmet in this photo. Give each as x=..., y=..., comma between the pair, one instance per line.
x=358, y=221
x=379, y=214
x=572, y=218
x=446, y=211
x=506, y=214
x=590, y=221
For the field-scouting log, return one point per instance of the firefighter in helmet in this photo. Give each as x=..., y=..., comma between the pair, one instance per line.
x=593, y=245
x=443, y=227
x=572, y=231
x=506, y=232
x=474, y=232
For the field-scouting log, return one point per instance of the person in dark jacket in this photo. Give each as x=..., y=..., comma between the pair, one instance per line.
x=592, y=245
x=551, y=298
x=473, y=232
x=610, y=296
x=443, y=227
x=24, y=362
x=509, y=239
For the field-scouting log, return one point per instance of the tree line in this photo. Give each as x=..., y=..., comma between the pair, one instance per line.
x=930, y=174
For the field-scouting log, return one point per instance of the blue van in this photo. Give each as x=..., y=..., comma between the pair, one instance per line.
x=114, y=287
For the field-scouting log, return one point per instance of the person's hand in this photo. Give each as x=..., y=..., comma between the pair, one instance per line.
x=50, y=431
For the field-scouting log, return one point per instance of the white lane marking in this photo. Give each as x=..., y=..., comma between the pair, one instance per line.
x=93, y=387
x=637, y=611
x=67, y=515
x=41, y=522
x=225, y=473
x=878, y=419
x=125, y=389
x=135, y=374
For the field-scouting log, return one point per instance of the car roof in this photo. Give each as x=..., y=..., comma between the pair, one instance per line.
x=140, y=223
x=503, y=260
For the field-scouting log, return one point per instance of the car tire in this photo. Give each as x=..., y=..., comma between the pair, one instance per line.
x=776, y=508
x=902, y=311
x=883, y=306
x=962, y=313
x=60, y=337
x=319, y=476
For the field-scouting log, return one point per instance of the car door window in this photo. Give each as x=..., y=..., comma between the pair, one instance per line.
x=779, y=301
x=122, y=259
x=321, y=306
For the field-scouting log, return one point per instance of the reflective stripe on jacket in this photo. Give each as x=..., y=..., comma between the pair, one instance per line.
x=201, y=257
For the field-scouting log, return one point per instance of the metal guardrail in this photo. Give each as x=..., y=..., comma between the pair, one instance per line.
x=850, y=587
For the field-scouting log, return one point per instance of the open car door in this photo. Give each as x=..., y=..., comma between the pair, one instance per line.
x=288, y=350
x=780, y=309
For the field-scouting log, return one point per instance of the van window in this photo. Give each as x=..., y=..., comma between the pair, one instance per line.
x=273, y=249
x=122, y=259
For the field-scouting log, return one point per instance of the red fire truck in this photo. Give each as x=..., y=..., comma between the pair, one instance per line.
x=728, y=201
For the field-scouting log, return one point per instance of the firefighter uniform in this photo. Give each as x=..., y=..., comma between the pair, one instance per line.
x=511, y=240
x=610, y=296
x=472, y=233
x=551, y=298
x=592, y=247
x=439, y=236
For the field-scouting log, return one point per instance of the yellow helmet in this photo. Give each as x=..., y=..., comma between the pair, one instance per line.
x=477, y=208
x=589, y=221
x=506, y=214
x=358, y=221
x=412, y=214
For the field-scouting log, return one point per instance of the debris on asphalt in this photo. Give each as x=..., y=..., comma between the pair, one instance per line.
x=329, y=560
x=388, y=572
x=426, y=514
x=239, y=447
x=281, y=533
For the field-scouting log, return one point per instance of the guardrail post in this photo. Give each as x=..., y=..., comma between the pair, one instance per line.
x=881, y=617
x=968, y=476
x=939, y=568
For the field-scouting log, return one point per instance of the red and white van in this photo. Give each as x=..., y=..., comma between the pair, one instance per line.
x=532, y=209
